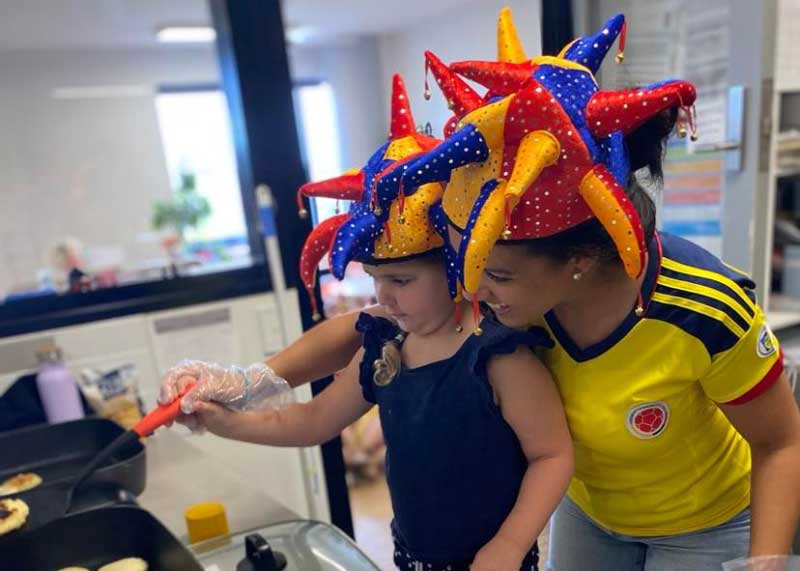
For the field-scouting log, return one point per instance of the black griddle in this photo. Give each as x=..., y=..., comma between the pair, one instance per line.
x=97, y=537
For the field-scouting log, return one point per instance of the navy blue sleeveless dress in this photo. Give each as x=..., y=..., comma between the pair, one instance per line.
x=453, y=464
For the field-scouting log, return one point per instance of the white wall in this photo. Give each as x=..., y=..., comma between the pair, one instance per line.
x=87, y=167
x=360, y=71
x=353, y=70
x=469, y=33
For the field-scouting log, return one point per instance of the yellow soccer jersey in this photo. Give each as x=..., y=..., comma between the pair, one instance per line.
x=654, y=455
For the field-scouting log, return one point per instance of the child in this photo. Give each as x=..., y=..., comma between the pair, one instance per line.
x=478, y=451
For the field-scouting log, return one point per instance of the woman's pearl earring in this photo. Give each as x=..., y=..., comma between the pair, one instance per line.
x=577, y=276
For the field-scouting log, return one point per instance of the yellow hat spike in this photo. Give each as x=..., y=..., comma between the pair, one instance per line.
x=616, y=213
x=537, y=150
x=487, y=229
x=509, y=47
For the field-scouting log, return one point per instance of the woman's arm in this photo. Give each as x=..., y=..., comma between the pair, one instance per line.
x=319, y=352
x=322, y=350
x=531, y=404
x=771, y=424
x=302, y=424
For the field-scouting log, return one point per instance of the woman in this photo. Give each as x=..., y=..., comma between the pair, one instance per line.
x=671, y=379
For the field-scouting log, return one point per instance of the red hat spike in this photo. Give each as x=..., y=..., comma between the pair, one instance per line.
x=314, y=249
x=458, y=316
x=623, y=34
x=501, y=78
x=476, y=316
x=301, y=207
x=450, y=126
x=349, y=186
x=609, y=111
x=402, y=120
x=427, y=93
x=461, y=98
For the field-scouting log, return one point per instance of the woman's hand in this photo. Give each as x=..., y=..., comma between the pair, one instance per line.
x=500, y=554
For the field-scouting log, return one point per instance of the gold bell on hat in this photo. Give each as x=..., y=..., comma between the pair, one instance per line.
x=303, y=213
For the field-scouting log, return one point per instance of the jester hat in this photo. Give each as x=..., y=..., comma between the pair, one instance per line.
x=382, y=225
x=543, y=150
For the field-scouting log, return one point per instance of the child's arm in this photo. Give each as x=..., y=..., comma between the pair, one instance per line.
x=531, y=404
x=319, y=352
x=300, y=424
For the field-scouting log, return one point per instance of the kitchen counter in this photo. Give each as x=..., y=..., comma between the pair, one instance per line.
x=179, y=474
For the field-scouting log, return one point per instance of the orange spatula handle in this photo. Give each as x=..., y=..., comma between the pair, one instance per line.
x=161, y=415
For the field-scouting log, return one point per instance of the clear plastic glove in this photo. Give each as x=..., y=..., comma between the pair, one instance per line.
x=255, y=388
x=764, y=563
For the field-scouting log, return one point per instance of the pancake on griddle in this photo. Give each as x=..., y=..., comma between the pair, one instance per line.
x=127, y=564
x=20, y=483
x=13, y=514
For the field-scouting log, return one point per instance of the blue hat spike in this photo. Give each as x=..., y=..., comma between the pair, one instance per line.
x=464, y=147
x=355, y=239
x=590, y=51
x=439, y=221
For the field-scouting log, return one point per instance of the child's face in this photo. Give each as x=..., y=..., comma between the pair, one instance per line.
x=413, y=293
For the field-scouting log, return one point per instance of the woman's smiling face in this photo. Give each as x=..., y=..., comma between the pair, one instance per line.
x=518, y=286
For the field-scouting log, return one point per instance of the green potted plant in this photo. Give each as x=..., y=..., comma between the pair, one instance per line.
x=186, y=209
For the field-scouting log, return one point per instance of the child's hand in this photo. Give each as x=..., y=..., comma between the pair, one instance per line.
x=256, y=387
x=212, y=417
x=500, y=554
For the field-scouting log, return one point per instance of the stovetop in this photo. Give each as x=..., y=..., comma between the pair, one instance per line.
x=305, y=545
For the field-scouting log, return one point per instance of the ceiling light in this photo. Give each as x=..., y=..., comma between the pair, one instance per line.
x=186, y=34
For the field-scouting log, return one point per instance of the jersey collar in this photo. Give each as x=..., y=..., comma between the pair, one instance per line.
x=648, y=286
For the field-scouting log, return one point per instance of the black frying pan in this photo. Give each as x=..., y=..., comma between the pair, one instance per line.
x=97, y=537
x=58, y=453
x=50, y=503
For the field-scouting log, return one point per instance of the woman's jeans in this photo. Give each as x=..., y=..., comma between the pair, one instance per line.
x=579, y=544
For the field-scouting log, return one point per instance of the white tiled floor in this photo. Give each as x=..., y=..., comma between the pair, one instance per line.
x=372, y=512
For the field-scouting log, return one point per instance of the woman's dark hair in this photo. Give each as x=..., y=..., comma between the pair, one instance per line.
x=646, y=147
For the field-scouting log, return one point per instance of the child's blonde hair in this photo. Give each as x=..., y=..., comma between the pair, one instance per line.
x=388, y=366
